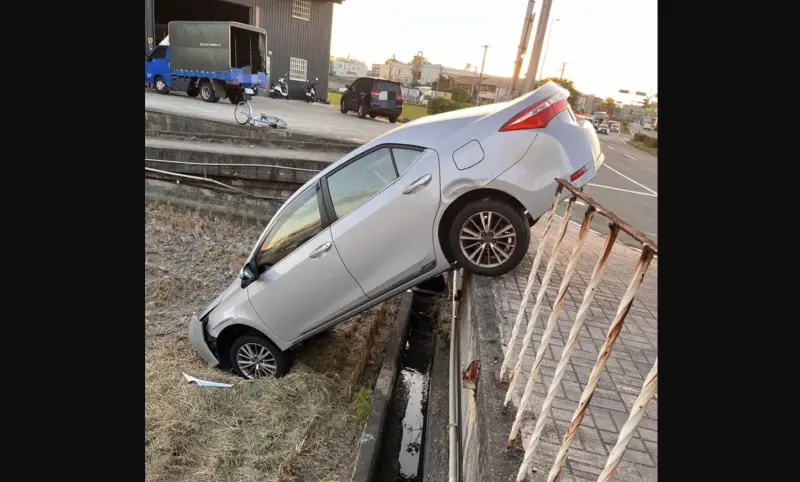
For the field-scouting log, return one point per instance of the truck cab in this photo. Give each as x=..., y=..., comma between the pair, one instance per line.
x=156, y=68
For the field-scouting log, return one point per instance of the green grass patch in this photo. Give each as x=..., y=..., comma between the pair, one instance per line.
x=361, y=403
x=410, y=111
x=642, y=147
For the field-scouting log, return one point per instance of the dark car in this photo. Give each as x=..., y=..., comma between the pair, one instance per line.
x=373, y=97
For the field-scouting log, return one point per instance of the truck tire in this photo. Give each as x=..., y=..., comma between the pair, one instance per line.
x=207, y=92
x=235, y=99
x=161, y=85
x=192, y=91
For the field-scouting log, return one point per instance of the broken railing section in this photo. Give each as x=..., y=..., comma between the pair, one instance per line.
x=649, y=251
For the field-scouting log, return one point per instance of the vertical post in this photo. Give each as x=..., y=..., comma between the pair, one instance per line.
x=561, y=368
x=551, y=264
x=538, y=42
x=648, y=390
x=529, y=286
x=525, y=37
x=563, y=66
x=551, y=323
x=602, y=358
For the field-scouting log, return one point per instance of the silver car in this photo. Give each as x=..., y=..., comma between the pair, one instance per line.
x=459, y=188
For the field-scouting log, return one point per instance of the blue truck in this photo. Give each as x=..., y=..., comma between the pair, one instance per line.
x=215, y=60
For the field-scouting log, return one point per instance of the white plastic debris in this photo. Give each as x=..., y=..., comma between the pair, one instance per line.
x=205, y=383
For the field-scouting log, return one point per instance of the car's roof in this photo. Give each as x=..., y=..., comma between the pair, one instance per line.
x=382, y=80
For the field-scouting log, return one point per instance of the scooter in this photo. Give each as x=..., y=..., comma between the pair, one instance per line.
x=279, y=89
x=311, y=91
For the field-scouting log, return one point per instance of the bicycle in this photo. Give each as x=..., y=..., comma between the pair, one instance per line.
x=243, y=113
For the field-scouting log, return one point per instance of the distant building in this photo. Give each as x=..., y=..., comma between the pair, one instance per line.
x=346, y=67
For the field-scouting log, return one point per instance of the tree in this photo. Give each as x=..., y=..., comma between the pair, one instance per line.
x=567, y=84
x=609, y=106
x=443, y=84
x=459, y=94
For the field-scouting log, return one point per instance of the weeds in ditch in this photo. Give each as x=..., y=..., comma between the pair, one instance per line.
x=361, y=403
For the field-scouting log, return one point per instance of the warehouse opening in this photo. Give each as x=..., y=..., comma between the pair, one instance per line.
x=165, y=11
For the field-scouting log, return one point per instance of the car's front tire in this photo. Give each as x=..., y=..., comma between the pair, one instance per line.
x=489, y=237
x=342, y=108
x=254, y=356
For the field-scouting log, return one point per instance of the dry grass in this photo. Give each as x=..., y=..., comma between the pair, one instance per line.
x=300, y=427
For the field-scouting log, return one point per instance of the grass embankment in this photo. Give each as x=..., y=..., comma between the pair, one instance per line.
x=410, y=111
x=304, y=426
x=642, y=147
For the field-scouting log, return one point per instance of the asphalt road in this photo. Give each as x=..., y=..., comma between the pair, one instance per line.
x=636, y=128
x=626, y=184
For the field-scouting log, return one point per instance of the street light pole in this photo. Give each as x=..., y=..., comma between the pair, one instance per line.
x=544, y=56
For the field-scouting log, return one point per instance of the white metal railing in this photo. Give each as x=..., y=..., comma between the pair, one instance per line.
x=649, y=388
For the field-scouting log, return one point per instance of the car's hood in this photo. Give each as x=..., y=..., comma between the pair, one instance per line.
x=234, y=286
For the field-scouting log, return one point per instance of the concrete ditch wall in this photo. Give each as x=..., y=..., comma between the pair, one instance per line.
x=483, y=427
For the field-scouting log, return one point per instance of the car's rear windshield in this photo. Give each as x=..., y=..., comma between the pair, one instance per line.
x=387, y=86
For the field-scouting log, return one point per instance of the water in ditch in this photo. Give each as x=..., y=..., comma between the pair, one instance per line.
x=403, y=443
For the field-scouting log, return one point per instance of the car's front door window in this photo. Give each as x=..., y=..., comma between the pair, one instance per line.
x=296, y=224
x=352, y=185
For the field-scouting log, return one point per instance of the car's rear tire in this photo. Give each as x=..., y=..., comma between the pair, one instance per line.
x=248, y=349
x=392, y=119
x=207, y=92
x=372, y=116
x=362, y=111
x=489, y=237
x=342, y=108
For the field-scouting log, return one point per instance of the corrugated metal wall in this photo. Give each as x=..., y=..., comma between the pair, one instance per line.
x=289, y=37
x=292, y=37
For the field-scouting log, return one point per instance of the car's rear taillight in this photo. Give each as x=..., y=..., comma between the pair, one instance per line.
x=399, y=97
x=575, y=175
x=538, y=115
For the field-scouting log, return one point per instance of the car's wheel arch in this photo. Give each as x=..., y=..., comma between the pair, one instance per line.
x=230, y=333
x=452, y=210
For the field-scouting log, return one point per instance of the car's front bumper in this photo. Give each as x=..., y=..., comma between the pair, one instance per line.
x=198, y=340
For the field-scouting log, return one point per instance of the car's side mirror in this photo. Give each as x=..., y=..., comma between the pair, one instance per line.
x=246, y=273
x=347, y=86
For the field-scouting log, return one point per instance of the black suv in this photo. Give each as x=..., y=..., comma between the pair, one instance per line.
x=373, y=97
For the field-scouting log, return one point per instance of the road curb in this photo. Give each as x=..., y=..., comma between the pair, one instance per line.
x=369, y=447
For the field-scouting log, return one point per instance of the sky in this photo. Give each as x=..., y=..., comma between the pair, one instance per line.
x=607, y=45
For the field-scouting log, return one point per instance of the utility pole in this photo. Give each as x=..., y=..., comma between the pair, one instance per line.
x=527, y=26
x=538, y=42
x=563, y=66
x=547, y=46
x=480, y=77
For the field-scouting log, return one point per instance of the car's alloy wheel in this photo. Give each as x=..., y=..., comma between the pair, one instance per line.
x=256, y=361
x=253, y=356
x=487, y=239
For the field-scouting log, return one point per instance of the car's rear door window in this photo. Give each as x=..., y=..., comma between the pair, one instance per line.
x=355, y=183
x=403, y=158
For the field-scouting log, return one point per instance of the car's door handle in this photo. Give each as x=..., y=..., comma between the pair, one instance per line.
x=418, y=184
x=321, y=250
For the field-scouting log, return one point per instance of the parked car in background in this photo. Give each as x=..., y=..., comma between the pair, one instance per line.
x=603, y=129
x=647, y=127
x=615, y=127
x=453, y=189
x=374, y=97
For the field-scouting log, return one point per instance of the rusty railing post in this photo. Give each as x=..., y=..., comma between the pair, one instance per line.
x=602, y=358
x=648, y=390
x=551, y=264
x=529, y=285
x=551, y=323
x=561, y=368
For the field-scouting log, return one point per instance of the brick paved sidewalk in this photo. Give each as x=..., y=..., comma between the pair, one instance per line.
x=631, y=359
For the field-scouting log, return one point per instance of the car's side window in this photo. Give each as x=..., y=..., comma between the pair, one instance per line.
x=403, y=158
x=296, y=224
x=352, y=185
x=159, y=53
x=356, y=85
